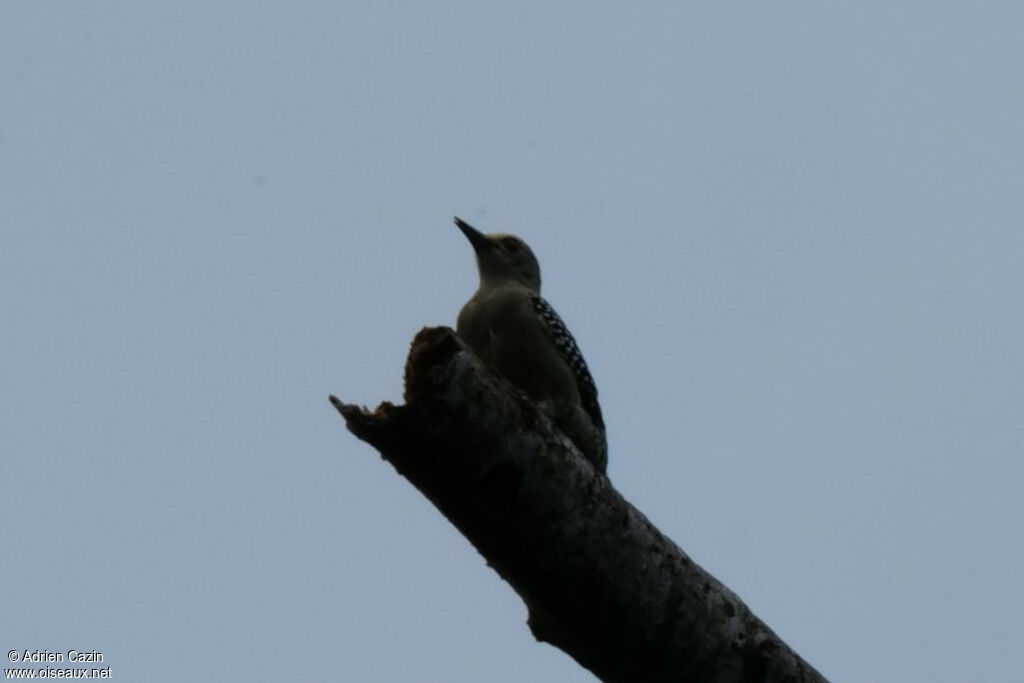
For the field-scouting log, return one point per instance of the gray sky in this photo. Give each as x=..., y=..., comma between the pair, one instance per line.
x=787, y=236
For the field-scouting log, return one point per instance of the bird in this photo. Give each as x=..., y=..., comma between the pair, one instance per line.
x=518, y=335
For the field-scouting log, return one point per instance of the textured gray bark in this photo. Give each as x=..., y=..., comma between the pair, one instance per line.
x=599, y=580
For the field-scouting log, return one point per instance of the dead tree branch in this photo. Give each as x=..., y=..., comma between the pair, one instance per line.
x=599, y=580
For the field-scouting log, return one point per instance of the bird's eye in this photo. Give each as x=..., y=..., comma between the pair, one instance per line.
x=511, y=244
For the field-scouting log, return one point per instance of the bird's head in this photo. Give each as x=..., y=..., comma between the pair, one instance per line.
x=502, y=258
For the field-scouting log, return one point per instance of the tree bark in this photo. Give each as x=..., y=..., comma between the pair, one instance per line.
x=598, y=579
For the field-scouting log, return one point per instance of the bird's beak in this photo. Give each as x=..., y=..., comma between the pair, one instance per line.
x=475, y=237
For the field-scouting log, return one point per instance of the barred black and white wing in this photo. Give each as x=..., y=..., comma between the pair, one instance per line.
x=566, y=345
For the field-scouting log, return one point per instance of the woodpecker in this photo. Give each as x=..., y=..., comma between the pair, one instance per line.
x=518, y=335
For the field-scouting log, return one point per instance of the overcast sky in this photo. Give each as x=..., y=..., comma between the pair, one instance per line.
x=789, y=238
